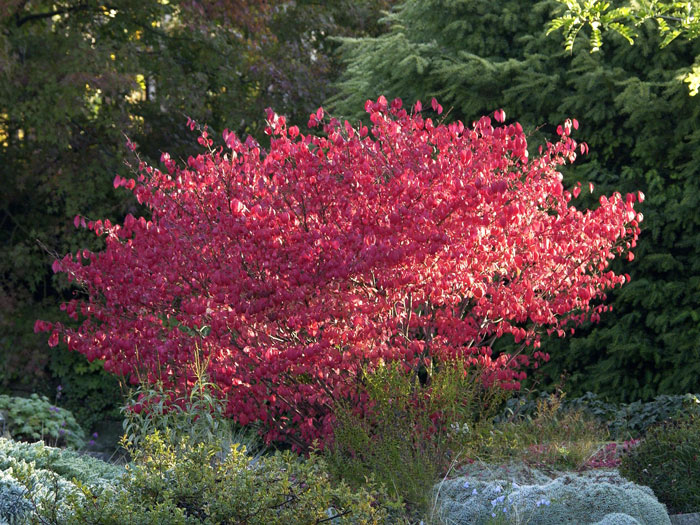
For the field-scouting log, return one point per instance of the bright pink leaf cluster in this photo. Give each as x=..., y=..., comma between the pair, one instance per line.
x=299, y=265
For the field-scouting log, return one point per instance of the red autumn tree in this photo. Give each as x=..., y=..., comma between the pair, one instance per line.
x=289, y=270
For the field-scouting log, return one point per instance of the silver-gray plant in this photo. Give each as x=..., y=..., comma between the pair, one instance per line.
x=569, y=499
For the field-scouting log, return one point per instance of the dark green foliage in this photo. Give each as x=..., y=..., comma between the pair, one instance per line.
x=623, y=421
x=643, y=130
x=631, y=420
x=89, y=393
x=668, y=461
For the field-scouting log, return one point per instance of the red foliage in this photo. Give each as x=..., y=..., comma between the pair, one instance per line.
x=610, y=455
x=409, y=242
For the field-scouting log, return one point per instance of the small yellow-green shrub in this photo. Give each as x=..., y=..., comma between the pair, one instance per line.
x=175, y=482
x=189, y=484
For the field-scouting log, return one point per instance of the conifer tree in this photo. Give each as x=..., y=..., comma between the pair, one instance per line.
x=643, y=130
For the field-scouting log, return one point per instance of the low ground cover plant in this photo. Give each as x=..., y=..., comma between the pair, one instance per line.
x=582, y=499
x=39, y=483
x=67, y=463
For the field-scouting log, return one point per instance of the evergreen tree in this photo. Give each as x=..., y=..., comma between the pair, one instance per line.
x=622, y=17
x=643, y=130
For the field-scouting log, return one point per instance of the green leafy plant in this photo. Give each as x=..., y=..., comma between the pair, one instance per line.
x=172, y=480
x=596, y=15
x=199, y=415
x=672, y=19
x=668, y=461
x=36, y=418
x=416, y=430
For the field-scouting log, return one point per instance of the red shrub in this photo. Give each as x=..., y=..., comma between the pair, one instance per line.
x=301, y=264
